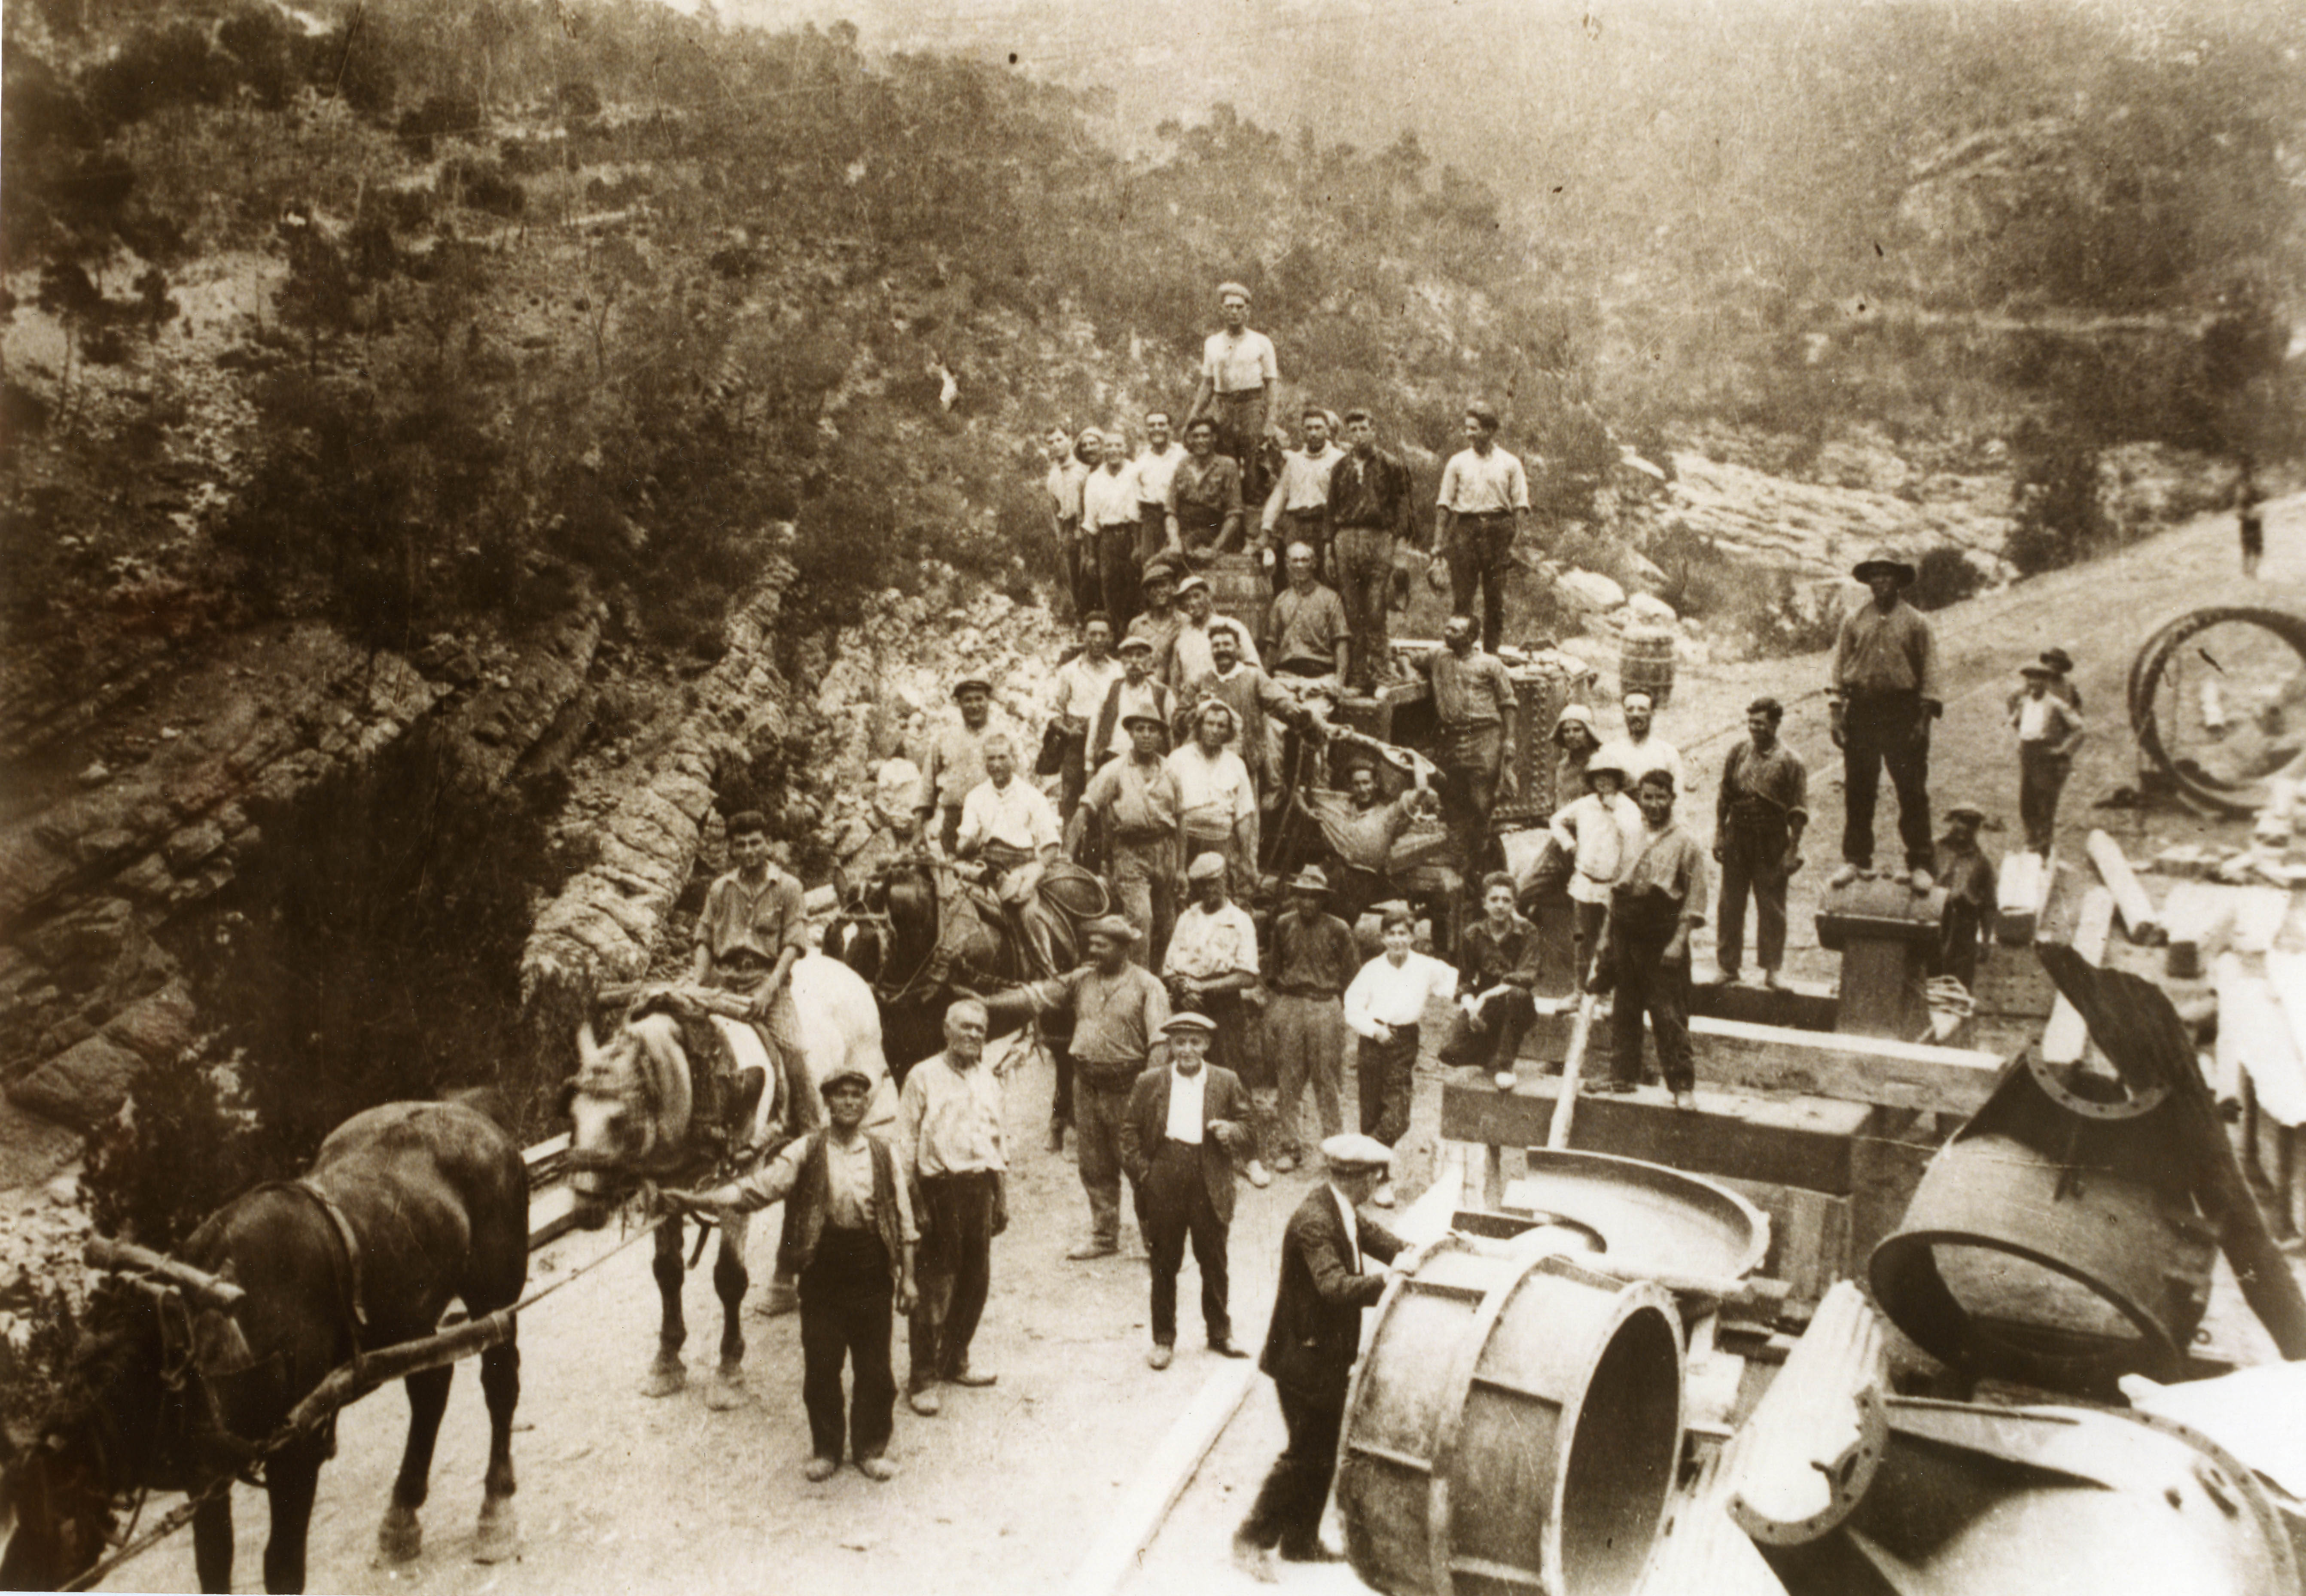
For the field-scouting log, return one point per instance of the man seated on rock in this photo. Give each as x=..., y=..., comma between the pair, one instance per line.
x=1011, y=826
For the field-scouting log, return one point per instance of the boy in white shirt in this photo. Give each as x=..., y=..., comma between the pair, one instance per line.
x=1383, y=1007
x=1598, y=833
x=2049, y=731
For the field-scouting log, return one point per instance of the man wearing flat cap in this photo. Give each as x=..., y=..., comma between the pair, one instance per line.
x=1138, y=691
x=1211, y=963
x=1884, y=692
x=850, y=1238
x=1118, y=1009
x=1314, y=960
x=1332, y=1266
x=955, y=764
x=1134, y=804
x=1178, y=1141
x=1239, y=373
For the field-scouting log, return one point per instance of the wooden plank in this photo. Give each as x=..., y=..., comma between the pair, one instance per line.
x=2129, y=900
x=1768, y=1058
x=1785, y=1142
x=2065, y=1039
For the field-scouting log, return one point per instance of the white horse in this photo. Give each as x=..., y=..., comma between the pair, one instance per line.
x=631, y=1111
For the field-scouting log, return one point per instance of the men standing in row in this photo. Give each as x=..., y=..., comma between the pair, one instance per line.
x=1314, y=960
x=1135, y=801
x=1066, y=476
x=1179, y=1136
x=1484, y=494
x=1659, y=901
x=1325, y=1281
x=1109, y=529
x=1639, y=751
x=1885, y=693
x=1475, y=705
x=1203, y=514
x=1211, y=963
x=1239, y=373
x=1305, y=628
x=948, y=1136
x=1084, y=684
x=1217, y=798
x=1010, y=825
x=955, y=764
x=1298, y=509
x=1370, y=510
x=1757, y=830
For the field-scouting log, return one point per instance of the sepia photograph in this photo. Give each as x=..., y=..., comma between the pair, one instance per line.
x=962, y=798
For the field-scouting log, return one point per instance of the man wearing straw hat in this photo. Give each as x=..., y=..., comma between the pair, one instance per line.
x=1239, y=372
x=1314, y=958
x=1178, y=1141
x=1885, y=692
x=1332, y=1266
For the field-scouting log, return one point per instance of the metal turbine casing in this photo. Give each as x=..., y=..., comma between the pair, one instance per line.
x=2077, y=1177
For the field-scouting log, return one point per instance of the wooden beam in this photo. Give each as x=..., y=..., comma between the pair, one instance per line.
x=2065, y=1039
x=1876, y=1070
x=1785, y=1142
x=2129, y=900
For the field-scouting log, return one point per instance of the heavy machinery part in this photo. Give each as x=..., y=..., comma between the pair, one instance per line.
x=1514, y=1427
x=2053, y=1502
x=1887, y=933
x=2055, y=1239
x=1807, y=1456
x=2224, y=758
x=1651, y=1219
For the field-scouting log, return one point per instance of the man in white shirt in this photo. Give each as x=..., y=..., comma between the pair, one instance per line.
x=1180, y=1135
x=1190, y=654
x=1639, y=752
x=1484, y=494
x=1064, y=483
x=1013, y=828
x=1212, y=960
x=1083, y=684
x=1384, y=1007
x=1155, y=469
x=1239, y=373
x=1298, y=509
x=1109, y=528
x=1217, y=799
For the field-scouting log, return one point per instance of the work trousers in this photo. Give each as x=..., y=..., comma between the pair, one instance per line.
x=1960, y=937
x=1306, y=1038
x=1365, y=562
x=949, y=827
x=1884, y=727
x=1491, y=1036
x=1386, y=1072
x=1173, y=1207
x=846, y=1297
x=1240, y=420
x=955, y=1266
x=1143, y=874
x=1471, y=759
x=1592, y=921
x=1478, y=553
x=1061, y=1095
x=1753, y=861
x=1100, y=1104
x=2041, y=782
x=1072, y=772
x=1120, y=576
x=1298, y=526
x=1152, y=534
x=1240, y=1046
x=1648, y=983
x=1084, y=581
x=1287, y=1512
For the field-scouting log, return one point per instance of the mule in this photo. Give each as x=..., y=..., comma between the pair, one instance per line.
x=636, y=1117
x=405, y=1208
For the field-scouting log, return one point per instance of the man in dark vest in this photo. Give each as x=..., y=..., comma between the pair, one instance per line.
x=1326, y=1279
x=849, y=1237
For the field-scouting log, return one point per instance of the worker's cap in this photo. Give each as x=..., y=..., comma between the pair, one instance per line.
x=1160, y=570
x=1190, y=1022
x=1969, y=812
x=1884, y=562
x=1132, y=722
x=977, y=682
x=2034, y=668
x=1090, y=435
x=846, y=1075
x=1228, y=289
x=1205, y=865
x=1191, y=582
x=1136, y=642
x=2058, y=660
x=1309, y=880
x=1352, y=1152
x=1111, y=925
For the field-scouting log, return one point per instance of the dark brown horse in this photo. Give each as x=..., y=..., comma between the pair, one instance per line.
x=406, y=1208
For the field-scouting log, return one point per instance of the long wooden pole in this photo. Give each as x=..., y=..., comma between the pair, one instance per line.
x=1572, y=1070
x=104, y=1252
x=349, y=1382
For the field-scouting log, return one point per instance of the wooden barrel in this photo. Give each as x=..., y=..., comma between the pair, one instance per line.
x=1514, y=1427
x=1645, y=663
x=1240, y=588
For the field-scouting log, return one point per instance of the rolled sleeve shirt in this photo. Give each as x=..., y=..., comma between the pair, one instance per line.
x=1017, y=815
x=949, y=1119
x=1206, y=944
x=1777, y=778
x=1671, y=862
x=1109, y=499
x=1139, y=801
x=1155, y=472
x=1395, y=994
x=1886, y=651
x=850, y=1204
x=1239, y=363
x=1213, y=795
x=1118, y=1019
x=761, y=920
x=1469, y=690
x=1304, y=484
x=1373, y=493
x=1476, y=484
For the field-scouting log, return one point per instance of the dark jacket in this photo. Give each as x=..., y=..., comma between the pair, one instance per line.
x=812, y=1192
x=1317, y=1315
x=1225, y=1101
